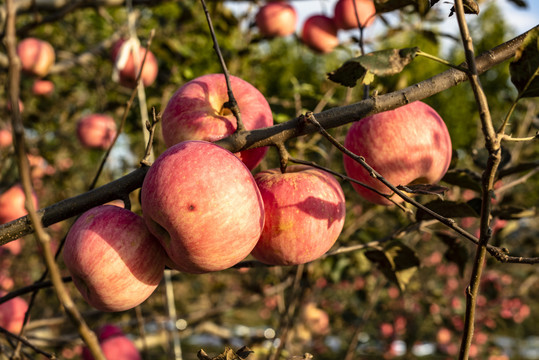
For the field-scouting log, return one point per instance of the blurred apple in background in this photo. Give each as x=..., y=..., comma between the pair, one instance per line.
x=42, y=87
x=196, y=112
x=408, y=145
x=96, y=131
x=21, y=106
x=203, y=205
x=124, y=61
x=304, y=209
x=12, y=207
x=36, y=56
x=344, y=13
x=315, y=319
x=114, y=344
x=276, y=19
x=320, y=33
x=6, y=138
x=12, y=314
x=115, y=263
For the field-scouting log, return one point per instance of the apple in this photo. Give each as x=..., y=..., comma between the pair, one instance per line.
x=12, y=313
x=196, y=112
x=21, y=106
x=114, y=344
x=115, y=263
x=316, y=319
x=408, y=145
x=304, y=209
x=36, y=56
x=42, y=87
x=344, y=13
x=203, y=205
x=276, y=19
x=12, y=207
x=320, y=33
x=6, y=138
x=96, y=131
x=123, y=58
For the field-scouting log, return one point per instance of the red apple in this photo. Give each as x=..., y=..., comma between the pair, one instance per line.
x=37, y=56
x=21, y=106
x=96, y=131
x=196, y=112
x=6, y=138
x=114, y=344
x=320, y=33
x=316, y=319
x=12, y=207
x=410, y=144
x=12, y=314
x=203, y=205
x=115, y=263
x=305, y=210
x=42, y=87
x=345, y=16
x=123, y=59
x=276, y=19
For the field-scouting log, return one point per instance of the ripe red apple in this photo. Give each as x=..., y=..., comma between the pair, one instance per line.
x=114, y=344
x=6, y=138
x=410, y=144
x=96, y=131
x=276, y=19
x=115, y=263
x=42, y=87
x=320, y=33
x=305, y=210
x=203, y=205
x=37, y=56
x=12, y=207
x=12, y=314
x=123, y=58
x=344, y=14
x=196, y=112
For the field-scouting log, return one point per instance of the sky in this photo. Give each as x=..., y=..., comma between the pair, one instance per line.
x=520, y=19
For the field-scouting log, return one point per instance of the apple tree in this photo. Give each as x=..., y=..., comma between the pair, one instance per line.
x=385, y=206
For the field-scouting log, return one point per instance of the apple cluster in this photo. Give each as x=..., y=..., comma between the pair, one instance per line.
x=319, y=32
x=204, y=210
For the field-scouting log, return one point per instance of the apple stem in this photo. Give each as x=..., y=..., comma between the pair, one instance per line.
x=231, y=104
x=150, y=126
x=283, y=155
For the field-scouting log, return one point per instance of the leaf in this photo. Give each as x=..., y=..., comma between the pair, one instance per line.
x=456, y=250
x=424, y=189
x=397, y=262
x=480, y=158
x=525, y=65
x=511, y=212
x=470, y=7
x=229, y=354
x=463, y=178
x=383, y=6
x=381, y=63
x=450, y=209
x=519, y=3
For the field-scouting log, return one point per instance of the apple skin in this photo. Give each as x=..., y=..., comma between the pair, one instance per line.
x=195, y=112
x=115, y=263
x=320, y=34
x=12, y=207
x=96, y=131
x=42, y=87
x=305, y=209
x=203, y=205
x=6, y=138
x=344, y=14
x=276, y=19
x=36, y=56
x=12, y=314
x=410, y=144
x=316, y=319
x=114, y=344
x=128, y=73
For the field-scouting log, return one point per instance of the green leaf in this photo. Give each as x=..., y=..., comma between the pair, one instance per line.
x=470, y=7
x=519, y=3
x=511, y=212
x=383, y=6
x=463, y=178
x=525, y=66
x=424, y=189
x=451, y=209
x=381, y=63
x=397, y=262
